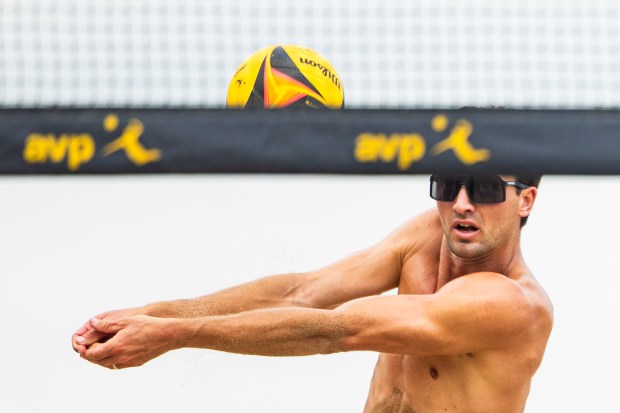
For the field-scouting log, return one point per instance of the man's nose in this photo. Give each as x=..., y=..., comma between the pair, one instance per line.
x=462, y=203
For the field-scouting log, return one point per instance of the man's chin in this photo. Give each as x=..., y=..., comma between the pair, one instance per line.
x=466, y=249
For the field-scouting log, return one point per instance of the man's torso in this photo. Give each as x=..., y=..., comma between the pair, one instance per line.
x=473, y=382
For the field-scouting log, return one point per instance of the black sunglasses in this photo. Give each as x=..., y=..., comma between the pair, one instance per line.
x=484, y=189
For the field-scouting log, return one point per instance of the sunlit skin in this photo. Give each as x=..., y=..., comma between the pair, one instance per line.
x=465, y=333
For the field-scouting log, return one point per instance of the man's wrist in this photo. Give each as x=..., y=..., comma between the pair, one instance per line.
x=183, y=332
x=155, y=310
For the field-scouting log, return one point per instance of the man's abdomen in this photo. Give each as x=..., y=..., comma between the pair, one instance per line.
x=417, y=384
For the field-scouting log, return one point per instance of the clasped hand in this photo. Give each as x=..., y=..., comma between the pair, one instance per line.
x=122, y=338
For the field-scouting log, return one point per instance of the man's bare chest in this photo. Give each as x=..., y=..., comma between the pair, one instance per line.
x=419, y=383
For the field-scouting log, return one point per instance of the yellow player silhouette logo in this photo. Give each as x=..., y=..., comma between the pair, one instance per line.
x=129, y=141
x=458, y=141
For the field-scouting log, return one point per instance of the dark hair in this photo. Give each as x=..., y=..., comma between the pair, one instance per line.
x=529, y=180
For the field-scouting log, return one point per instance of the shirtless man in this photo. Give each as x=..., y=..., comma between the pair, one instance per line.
x=466, y=332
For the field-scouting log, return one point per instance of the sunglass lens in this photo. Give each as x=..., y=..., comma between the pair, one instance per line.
x=445, y=188
x=487, y=190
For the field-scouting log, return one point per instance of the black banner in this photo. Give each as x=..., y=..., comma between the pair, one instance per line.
x=109, y=141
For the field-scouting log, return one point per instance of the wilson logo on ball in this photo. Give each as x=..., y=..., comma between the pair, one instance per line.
x=285, y=76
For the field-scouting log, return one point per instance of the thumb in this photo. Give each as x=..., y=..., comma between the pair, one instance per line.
x=105, y=325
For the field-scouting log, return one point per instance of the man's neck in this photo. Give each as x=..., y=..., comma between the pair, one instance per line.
x=500, y=260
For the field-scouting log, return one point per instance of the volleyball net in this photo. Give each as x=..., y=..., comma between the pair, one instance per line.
x=430, y=86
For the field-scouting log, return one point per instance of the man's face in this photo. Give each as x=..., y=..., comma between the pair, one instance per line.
x=475, y=230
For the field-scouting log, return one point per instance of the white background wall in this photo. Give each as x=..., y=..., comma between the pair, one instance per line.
x=76, y=246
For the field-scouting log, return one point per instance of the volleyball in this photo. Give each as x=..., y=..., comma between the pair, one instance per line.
x=285, y=76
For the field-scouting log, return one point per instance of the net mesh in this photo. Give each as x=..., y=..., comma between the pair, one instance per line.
x=422, y=54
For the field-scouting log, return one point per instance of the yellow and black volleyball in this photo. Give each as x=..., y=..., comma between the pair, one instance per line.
x=285, y=76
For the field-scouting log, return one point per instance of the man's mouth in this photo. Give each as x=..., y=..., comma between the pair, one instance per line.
x=466, y=228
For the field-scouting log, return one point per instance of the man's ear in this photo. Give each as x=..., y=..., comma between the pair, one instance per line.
x=526, y=201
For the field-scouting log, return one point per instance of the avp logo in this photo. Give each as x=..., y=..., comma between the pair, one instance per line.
x=129, y=142
x=408, y=148
x=78, y=149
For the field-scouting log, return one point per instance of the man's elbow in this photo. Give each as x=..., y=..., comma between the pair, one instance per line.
x=350, y=334
x=352, y=342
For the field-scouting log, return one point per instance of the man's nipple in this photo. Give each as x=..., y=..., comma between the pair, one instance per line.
x=433, y=372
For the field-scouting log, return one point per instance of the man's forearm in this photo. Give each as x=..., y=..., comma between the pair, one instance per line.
x=269, y=292
x=272, y=332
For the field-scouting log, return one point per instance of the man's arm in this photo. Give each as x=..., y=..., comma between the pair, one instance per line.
x=474, y=313
x=368, y=272
x=477, y=312
x=364, y=273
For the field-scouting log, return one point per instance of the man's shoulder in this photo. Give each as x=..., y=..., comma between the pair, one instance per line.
x=490, y=284
x=426, y=220
x=419, y=230
x=521, y=300
x=485, y=284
